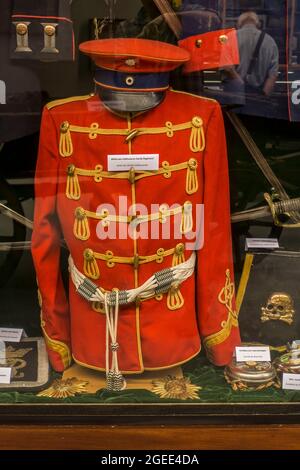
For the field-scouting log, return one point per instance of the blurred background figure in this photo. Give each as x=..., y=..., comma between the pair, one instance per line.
x=251, y=83
x=259, y=55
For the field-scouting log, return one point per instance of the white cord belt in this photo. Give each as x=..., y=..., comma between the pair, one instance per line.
x=159, y=283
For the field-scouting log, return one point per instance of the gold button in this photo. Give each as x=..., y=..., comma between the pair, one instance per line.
x=65, y=126
x=88, y=254
x=131, y=175
x=80, y=213
x=129, y=81
x=198, y=43
x=179, y=249
x=223, y=39
x=49, y=30
x=174, y=288
x=193, y=164
x=197, y=121
x=22, y=29
x=71, y=170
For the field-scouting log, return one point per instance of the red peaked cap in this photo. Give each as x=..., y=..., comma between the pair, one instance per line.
x=135, y=55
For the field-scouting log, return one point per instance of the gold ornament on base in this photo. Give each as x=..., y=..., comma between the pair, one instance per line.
x=65, y=388
x=176, y=388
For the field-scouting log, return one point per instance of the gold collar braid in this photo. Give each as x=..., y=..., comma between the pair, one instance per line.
x=196, y=144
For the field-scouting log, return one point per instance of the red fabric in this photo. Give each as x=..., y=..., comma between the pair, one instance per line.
x=212, y=54
x=150, y=56
x=165, y=337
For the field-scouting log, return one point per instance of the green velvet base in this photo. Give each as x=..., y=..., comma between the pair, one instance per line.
x=214, y=390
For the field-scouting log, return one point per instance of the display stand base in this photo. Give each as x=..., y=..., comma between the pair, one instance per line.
x=96, y=380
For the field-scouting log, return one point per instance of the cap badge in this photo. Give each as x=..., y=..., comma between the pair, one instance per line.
x=130, y=62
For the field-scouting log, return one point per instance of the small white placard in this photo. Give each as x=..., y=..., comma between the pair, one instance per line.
x=265, y=243
x=144, y=162
x=296, y=344
x=5, y=375
x=291, y=381
x=11, y=334
x=2, y=353
x=253, y=353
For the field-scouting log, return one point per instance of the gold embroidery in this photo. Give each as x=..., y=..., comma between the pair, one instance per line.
x=226, y=298
x=191, y=185
x=73, y=186
x=98, y=307
x=14, y=358
x=175, y=299
x=176, y=388
x=55, y=103
x=197, y=137
x=90, y=265
x=81, y=227
x=91, y=268
x=65, y=388
x=170, y=130
x=178, y=257
x=186, y=218
x=65, y=142
x=58, y=347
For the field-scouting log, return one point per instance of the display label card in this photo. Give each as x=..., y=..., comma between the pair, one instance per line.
x=253, y=353
x=291, y=381
x=296, y=344
x=264, y=243
x=11, y=334
x=5, y=375
x=144, y=162
x=2, y=352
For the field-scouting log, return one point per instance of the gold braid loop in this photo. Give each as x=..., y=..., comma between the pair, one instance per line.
x=192, y=185
x=175, y=298
x=65, y=141
x=197, y=139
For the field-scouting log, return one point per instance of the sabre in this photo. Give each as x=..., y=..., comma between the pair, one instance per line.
x=15, y=216
x=275, y=209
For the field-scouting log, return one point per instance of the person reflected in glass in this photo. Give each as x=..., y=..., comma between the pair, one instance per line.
x=259, y=58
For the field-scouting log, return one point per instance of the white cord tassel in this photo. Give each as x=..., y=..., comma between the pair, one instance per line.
x=92, y=293
x=181, y=272
x=114, y=379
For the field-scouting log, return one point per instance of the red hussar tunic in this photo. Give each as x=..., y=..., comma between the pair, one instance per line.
x=75, y=197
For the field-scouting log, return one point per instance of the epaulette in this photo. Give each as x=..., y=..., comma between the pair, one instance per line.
x=55, y=103
x=195, y=96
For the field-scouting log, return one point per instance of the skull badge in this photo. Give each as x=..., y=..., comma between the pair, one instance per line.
x=280, y=307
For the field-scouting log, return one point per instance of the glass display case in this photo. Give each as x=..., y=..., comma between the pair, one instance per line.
x=149, y=212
